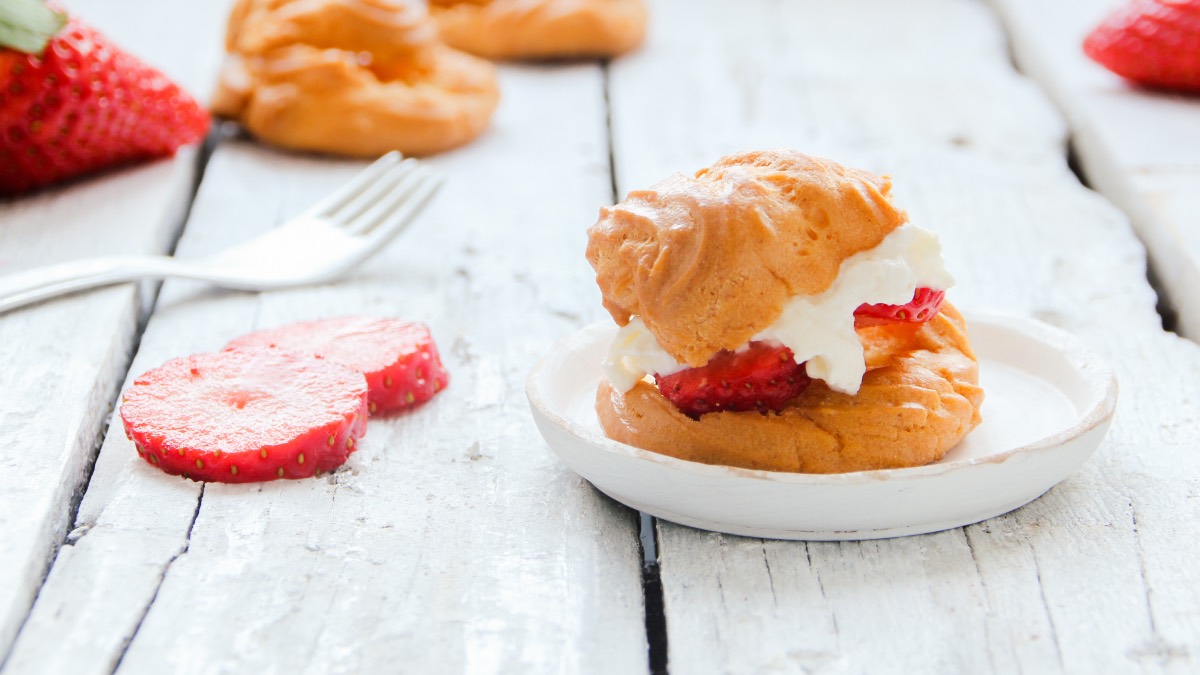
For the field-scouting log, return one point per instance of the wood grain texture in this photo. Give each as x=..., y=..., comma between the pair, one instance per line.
x=1092, y=577
x=822, y=76
x=452, y=540
x=57, y=381
x=1139, y=148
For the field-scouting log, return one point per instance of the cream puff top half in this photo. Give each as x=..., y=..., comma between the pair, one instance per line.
x=767, y=245
x=383, y=30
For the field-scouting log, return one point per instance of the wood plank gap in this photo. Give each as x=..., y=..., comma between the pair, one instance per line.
x=1075, y=162
x=78, y=531
x=1167, y=311
x=652, y=592
x=78, y=490
x=187, y=543
x=202, y=156
x=220, y=131
x=608, y=129
x=652, y=588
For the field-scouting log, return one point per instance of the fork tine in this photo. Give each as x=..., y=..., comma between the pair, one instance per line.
x=352, y=189
x=383, y=186
x=386, y=203
x=402, y=211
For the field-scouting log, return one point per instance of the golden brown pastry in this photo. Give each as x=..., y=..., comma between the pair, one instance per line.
x=707, y=261
x=804, y=260
x=919, y=397
x=351, y=77
x=541, y=29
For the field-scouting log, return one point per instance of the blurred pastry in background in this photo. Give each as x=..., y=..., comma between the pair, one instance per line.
x=541, y=29
x=350, y=77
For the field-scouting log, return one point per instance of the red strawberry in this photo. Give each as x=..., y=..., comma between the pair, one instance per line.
x=77, y=103
x=398, y=358
x=761, y=377
x=1156, y=43
x=924, y=306
x=241, y=416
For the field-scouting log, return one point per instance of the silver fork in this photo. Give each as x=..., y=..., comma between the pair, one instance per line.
x=322, y=244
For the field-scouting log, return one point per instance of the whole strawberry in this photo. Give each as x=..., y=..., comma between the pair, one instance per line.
x=1151, y=42
x=72, y=103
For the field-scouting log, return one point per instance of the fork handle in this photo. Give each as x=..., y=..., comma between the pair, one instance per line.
x=23, y=288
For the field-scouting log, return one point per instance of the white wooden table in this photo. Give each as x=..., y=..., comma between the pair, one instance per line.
x=455, y=542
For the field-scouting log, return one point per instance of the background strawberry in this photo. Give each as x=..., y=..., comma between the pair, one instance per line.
x=72, y=103
x=240, y=416
x=398, y=358
x=1152, y=42
x=924, y=306
x=761, y=377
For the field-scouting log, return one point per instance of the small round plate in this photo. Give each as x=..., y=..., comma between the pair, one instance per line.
x=1049, y=402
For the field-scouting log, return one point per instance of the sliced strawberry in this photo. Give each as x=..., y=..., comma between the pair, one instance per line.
x=761, y=377
x=71, y=102
x=924, y=306
x=1156, y=43
x=398, y=358
x=242, y=416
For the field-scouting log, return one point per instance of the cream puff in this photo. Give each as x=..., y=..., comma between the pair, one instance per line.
x=541, y=29
x=350, y=77
x=779, y=312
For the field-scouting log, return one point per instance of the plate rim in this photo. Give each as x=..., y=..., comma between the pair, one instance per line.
x=1083, y=359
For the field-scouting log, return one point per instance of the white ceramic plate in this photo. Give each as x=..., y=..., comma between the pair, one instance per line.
x=1049, y=401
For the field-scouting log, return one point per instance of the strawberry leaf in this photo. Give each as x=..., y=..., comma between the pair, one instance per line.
x=28, y=25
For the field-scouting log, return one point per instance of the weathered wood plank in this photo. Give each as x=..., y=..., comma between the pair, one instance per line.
x=1092, y=577
x=1141, y=149
x=821, y=76
x=453, y=541
x=56, y=380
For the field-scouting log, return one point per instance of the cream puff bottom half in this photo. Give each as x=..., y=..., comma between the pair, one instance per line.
x=919, y=397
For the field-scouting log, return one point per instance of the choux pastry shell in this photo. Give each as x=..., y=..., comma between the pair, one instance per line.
x=920, y=396
x=350, y=77
x=541, y=29
x=708, y=261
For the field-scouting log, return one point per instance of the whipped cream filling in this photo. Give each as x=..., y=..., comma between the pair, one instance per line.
x=634, y=353
x=818, y=328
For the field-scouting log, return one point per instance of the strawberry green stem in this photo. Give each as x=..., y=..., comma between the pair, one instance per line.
x=28, y=25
